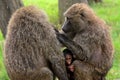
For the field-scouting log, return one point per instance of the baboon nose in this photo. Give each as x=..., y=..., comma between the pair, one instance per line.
x=64, y=29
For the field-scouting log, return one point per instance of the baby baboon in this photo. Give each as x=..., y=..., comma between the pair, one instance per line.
x=32, y=51
x=69, y=58
x=89, y=39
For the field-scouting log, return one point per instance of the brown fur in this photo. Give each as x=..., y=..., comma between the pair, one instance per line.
x=91, y=42
x=32, y=51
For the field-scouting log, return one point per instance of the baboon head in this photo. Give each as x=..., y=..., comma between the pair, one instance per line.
x=77, y=18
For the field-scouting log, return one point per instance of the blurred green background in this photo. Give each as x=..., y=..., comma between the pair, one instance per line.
x=109, y=11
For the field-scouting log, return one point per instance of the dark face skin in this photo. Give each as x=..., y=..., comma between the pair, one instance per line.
x=68, y=59
x=73, y=25
x=67, y=26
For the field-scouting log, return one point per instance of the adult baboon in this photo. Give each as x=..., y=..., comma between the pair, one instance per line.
x=32, y=51
x=89, y=39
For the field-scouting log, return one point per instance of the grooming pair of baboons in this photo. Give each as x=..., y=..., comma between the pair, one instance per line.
x=32, y=47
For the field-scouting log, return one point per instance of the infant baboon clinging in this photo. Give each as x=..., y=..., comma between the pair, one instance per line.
x=89, y=39
x=32, y=51
x=69, y=58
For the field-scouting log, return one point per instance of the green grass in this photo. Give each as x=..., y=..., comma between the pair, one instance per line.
x=108, y=11
x=3, y=74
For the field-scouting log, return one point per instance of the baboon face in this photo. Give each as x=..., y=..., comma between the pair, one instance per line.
x=76, y=19
x=68, y=59
x=74, y=23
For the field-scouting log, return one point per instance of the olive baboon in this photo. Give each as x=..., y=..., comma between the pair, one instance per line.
x=89, y=39
x=32, y=51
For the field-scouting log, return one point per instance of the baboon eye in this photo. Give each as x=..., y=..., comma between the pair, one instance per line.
x=69, y=18
x=82, y=15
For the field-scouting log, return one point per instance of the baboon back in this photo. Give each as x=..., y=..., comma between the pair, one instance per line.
x=31, y=46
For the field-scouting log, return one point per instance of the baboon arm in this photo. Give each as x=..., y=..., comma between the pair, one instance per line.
x=75, y=48
x=58, y=67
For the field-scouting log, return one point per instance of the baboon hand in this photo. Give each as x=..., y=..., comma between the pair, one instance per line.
x=62, y=38
x=56, y=31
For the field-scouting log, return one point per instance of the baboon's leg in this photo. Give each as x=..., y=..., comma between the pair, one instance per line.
x=45, y=74
x=83, y=71
x=58, y=66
